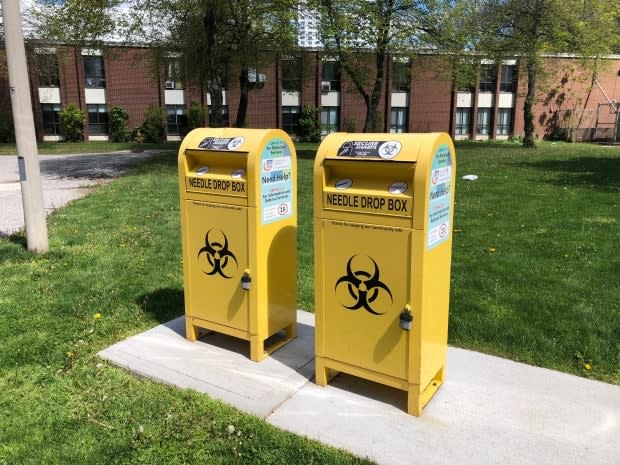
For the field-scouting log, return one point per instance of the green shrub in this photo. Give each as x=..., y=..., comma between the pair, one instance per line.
x=72, y=123
x=119, y=130
x=154, y=127
x=310, y=124
x=195, y=116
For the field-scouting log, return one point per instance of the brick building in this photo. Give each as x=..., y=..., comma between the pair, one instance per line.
x=418, y=97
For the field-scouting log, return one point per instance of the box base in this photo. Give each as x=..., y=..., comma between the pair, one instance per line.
x=260, y=345
x=417, y=397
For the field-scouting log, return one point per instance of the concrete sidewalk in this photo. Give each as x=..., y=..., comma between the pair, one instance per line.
x=489, y=410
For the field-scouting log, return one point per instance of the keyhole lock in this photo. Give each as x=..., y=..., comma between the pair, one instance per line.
x=406, y=318
x=246, y=280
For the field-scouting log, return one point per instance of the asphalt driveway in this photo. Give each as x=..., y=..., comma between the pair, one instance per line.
x=64, y=178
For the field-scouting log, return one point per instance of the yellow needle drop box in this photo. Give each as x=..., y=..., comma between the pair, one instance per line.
x=239, y=232
x=383, y=213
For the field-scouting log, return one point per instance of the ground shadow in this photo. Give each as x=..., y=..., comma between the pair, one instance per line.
x=163, y=304
x=601, y=173
x=99, y=166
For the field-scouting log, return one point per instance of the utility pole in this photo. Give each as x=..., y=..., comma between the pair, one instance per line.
x=27, y=155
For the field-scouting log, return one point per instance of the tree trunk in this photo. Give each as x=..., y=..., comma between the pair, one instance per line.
x=216, y=116
x=528, y=114
x=374, y=121
x=215, y=75
x=242, y=109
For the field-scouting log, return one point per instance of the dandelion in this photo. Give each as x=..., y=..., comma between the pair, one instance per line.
x=587, y=366
x=230, y=429
x=97, y=316
x=491, y=250
x=69, y=354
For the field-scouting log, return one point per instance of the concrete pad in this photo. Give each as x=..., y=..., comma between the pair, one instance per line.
x=489, y=410
x=219, y=365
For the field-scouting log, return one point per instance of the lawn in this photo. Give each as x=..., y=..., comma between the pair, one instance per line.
x=535, y=278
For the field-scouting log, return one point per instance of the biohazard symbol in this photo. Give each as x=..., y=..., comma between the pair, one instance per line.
x=218, y=255
x=363, y=286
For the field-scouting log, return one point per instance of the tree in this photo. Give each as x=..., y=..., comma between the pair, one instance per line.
x=531, y=28
x=75, y=22
x=214, y=40
x=362, y=34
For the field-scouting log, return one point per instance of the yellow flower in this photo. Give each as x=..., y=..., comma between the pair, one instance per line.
x=97, y=315
x=492, y=250
x=587, y=366
x=69, y=354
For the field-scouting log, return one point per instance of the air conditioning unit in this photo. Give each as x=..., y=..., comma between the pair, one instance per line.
x=326, y=86
x=169, y=84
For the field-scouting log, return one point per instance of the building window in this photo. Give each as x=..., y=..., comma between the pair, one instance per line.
x=329, y=120
x=463, y=122
x=401, y=76
x=504, y=122
x=177, y=120
x=225, y=117
x=330, y=73
x=97, y=120
x=94, y=74
x=398, y=119
x=51, y=119
x=507, y=78
x=291, y=74
x=47, y=69
x=483, y=123
x=290, y=120
x=172, y=75
x=488, y=78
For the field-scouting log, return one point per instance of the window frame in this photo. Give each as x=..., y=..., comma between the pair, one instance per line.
x=462, y=127
x=101, y=126
x=483, y=128
x=55, y=123
x=94, y=72
x=399, y=120
x=176, y=123
x=290, y=119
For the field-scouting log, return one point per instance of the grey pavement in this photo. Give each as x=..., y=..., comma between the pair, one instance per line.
x=488, y=411
x=63, y=177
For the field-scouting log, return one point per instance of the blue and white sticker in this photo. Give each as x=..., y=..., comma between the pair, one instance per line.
x=276, y=182
x=440, y=198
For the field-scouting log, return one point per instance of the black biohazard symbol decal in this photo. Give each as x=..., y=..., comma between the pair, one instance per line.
x=363, y=286
x=218, y=255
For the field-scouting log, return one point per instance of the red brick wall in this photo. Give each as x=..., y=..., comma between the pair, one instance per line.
x=130, y=83
x=431, y=96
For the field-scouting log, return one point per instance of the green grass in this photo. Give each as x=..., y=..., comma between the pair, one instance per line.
x=114, y=269
x=536, y=268
x=64, y=148
x=535, y=278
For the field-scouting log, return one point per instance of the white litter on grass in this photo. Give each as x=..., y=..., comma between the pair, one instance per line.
x=470, y=177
